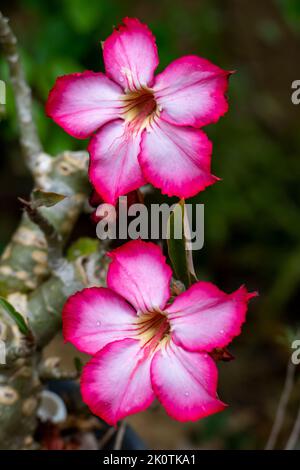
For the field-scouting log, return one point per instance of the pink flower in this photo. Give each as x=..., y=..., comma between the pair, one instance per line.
x=145, y=347
x=146, y=128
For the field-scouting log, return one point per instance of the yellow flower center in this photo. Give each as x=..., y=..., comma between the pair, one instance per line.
x=153, y=329
x=140, y=108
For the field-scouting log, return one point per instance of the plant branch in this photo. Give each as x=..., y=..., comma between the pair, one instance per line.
x=30, y=142
x=295, y=434
x=107, y=437
x=120, y=436
x=53, y=238
x=23, y=264
x=280, y=414
x=26, y=280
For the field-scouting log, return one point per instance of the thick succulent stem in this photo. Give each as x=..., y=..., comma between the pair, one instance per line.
x=20, y=378
x=23, y=264
x=36, y=288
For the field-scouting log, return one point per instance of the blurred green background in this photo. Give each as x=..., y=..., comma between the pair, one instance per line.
x=252, y=217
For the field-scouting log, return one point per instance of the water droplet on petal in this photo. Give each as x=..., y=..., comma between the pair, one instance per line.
x=186, y=394
x=221, y=331
x=98, y=323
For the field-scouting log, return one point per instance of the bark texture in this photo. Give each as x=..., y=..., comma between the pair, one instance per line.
x=30, y=279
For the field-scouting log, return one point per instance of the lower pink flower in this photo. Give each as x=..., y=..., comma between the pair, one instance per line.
x=143, y=346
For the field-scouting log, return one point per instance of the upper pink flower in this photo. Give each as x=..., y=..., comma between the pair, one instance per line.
x=143, y=346
x=146, y=127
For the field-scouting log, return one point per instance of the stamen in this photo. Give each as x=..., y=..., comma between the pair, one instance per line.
x=153, y=329
x=140, y=108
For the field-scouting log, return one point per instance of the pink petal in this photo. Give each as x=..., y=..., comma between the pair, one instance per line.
x=204, y=317
x=130, y=55
x=116, y=382
x=191, y=92
x=114, y=168
x=96, y=316
x=185, y=383
x=82, y=102
x=139, y=273
x=176, y=159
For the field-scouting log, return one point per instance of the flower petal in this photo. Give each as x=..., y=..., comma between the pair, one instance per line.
x=185, y=383
x=204, y=317
x=96, y=316
x=82, y=102
x=130, y=55
x=191, y=92
x=140, y=274
x=114, y=169
x=116, y=382
x=176, y=159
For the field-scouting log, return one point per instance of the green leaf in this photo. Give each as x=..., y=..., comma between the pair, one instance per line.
x=16, y=316
x=83, y=16
x=40, y=198
x=180, y=257
x=84, y=246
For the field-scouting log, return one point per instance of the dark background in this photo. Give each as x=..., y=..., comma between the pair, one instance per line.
x=252, y=217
